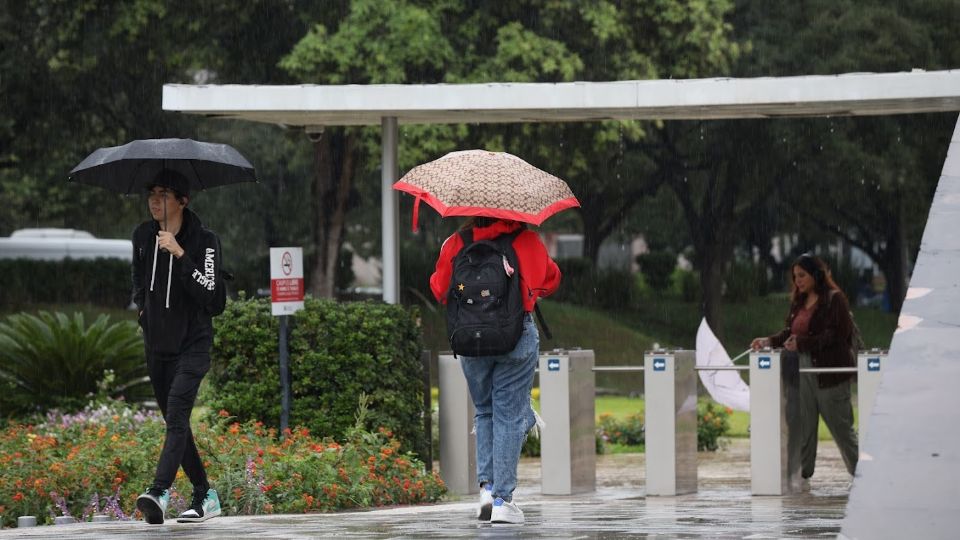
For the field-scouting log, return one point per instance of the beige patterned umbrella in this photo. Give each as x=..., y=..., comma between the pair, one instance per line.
x=484, y=183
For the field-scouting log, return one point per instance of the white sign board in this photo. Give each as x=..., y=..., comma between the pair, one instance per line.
x=286, y=280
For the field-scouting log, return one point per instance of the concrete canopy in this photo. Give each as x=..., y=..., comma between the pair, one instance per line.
x=855, y=94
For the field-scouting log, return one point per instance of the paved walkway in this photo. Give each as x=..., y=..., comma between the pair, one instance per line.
x=722, y=508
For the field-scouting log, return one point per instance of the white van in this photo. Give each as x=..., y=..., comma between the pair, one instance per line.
x=59, y=244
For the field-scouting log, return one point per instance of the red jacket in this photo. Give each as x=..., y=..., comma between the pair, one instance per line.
x=539, y=275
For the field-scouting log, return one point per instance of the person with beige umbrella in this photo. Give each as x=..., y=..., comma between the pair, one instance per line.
x=490, y=274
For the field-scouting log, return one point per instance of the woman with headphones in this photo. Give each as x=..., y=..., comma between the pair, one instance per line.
x=819, y=330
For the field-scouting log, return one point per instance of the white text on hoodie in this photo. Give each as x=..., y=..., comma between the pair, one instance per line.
x=208, y=280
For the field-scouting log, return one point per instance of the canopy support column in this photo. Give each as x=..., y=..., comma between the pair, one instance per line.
x=390, y=211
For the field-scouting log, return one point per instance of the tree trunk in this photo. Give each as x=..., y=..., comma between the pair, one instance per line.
x=894, y=263
x=334, y=159
x=711, y=285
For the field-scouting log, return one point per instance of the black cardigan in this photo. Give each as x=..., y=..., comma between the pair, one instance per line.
x=829, y=337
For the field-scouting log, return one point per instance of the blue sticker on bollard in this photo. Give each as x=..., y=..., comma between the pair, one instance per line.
x=873, y=364
x=659, y=364
x=763, y=362
x=553, y=364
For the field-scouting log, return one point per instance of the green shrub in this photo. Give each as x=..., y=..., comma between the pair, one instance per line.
x=713, y=421
x=657, y=268
x=531, y=446
x=51, y=360
x=103, y=282
x=338, y=351
x=616, y=289
x=628, y=431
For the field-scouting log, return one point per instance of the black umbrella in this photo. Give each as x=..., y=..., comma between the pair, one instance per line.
x=132, y=167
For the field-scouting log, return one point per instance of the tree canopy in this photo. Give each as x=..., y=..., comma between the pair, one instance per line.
x=78, y=75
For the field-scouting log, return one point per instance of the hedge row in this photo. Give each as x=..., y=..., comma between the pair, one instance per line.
x=103, y=282
x=337, y=352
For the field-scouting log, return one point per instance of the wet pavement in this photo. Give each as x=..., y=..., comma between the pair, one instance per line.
x=722, y=508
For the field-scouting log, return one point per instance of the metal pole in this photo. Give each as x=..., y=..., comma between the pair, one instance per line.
x=284, y=377
x=390, y=211
x=427, y=411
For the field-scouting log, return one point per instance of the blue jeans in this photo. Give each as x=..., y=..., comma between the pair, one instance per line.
x=500, y=389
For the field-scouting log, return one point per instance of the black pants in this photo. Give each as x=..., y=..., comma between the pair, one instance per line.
x=176, y=380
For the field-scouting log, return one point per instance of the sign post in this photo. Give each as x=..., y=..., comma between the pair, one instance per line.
x=286, y=294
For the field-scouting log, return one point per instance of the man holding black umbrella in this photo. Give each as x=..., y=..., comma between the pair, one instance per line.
x=176, y=263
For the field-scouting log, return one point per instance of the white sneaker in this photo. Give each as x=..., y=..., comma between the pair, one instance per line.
x=506, y=512
x=204, y=506
x=486, y=504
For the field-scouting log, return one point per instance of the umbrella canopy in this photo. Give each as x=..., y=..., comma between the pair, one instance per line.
x=484, y=183
x=132, y=167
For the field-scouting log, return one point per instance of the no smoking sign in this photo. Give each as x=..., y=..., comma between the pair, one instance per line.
x=286, y=280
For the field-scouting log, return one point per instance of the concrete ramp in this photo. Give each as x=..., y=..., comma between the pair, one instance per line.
x=908, y=480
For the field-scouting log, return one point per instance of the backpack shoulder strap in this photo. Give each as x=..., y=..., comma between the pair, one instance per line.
x=505, y=241
x=543, y=323
x=467, y=236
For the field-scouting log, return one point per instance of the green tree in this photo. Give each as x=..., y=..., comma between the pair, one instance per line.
x=868, y=181
x=80, y=75
x=375, y=43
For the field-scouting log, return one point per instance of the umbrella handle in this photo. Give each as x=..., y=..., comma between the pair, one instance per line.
x=416, y=213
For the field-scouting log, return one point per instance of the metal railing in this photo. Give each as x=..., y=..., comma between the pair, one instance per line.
x=566, y=397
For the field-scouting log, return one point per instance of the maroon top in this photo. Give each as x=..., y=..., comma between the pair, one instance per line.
x=801, y=323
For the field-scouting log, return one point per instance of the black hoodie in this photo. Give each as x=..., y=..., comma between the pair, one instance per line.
x=173, y=299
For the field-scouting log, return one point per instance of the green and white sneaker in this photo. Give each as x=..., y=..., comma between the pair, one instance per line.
x=153, y=506
x=204, y=506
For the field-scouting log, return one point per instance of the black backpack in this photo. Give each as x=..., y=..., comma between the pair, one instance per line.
x=484, y=306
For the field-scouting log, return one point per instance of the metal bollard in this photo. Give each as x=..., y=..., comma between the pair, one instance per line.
x=568, y=446
x=26, y=521
x=670, y=390
x=869, y=365
x=458, y=447
x=768, y=426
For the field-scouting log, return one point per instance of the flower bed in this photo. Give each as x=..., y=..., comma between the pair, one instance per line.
x=101, y=459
